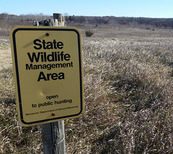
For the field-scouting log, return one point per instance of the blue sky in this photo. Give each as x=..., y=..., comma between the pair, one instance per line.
x=119, y=8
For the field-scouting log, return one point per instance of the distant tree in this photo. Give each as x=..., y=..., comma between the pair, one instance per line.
x=4, y=16
x=66, y=15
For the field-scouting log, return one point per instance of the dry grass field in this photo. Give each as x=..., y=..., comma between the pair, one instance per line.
x=128, y=75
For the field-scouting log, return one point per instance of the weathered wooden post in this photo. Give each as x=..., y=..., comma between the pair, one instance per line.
x=58, y=20
x=53, y=135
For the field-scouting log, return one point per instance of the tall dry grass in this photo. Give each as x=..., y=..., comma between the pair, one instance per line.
x=128, y=97
x=128, y=91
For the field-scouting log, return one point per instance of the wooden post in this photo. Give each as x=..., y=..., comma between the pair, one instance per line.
x=53, y=135
x=53, y=138
x=59, y=20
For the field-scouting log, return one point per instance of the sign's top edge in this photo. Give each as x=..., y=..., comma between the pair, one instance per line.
x=17, y=28
x=44, y=27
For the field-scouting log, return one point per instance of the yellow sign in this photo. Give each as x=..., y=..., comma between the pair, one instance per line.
x=48, y=72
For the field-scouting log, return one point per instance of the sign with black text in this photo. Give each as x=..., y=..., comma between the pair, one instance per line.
x=48, y=73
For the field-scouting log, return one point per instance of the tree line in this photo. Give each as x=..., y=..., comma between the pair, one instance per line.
x=111, y=20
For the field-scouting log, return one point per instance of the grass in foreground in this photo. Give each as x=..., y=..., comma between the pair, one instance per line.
x=128, y=97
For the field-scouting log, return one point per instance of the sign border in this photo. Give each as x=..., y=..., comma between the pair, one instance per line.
x=18, y=77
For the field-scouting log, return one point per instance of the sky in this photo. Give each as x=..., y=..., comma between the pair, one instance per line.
x=118, y=8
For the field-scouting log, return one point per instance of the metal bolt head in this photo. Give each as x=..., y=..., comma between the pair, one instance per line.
x=53, y=114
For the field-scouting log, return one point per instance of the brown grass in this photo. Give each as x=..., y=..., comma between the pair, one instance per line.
x=128, y=96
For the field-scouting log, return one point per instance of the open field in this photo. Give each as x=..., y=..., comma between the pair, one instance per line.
x=128, y=87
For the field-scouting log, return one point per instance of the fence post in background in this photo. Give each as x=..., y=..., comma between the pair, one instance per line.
x=53, y=135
